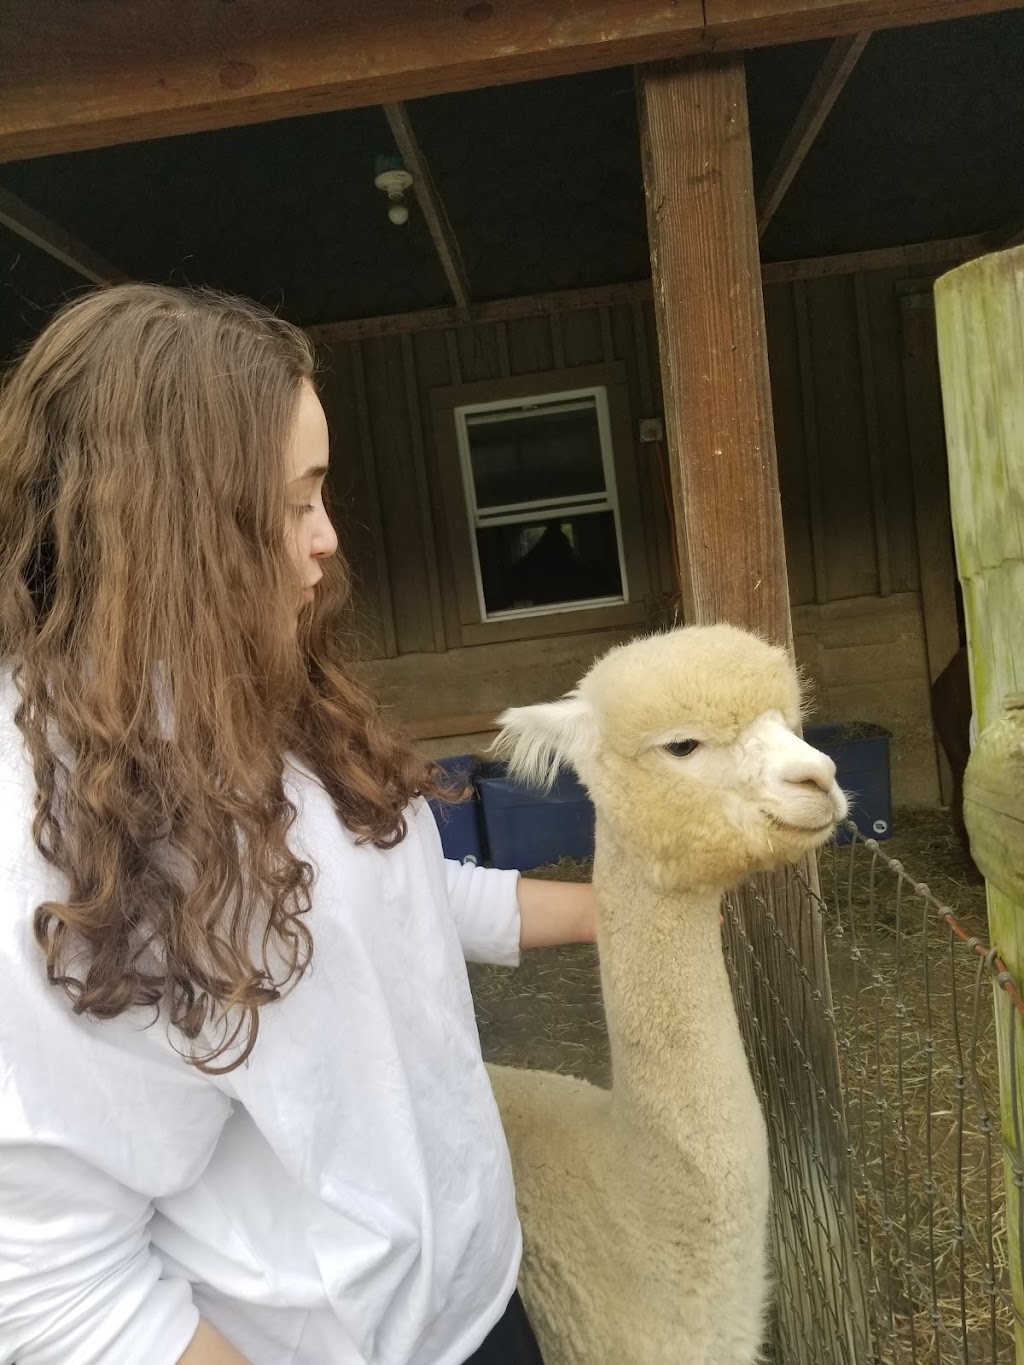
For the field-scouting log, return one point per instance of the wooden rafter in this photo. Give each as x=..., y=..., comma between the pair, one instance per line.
x=50, y=237
x=80, y=76
x=948, y=252
x=498, y=310
x=832, y=75
x=739, y=24
x=438, y=224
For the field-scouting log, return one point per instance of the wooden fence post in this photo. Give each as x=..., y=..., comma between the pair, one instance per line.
x=980, y=315
x=706, y=277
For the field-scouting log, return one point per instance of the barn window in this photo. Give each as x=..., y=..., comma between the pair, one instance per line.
x=539, y=482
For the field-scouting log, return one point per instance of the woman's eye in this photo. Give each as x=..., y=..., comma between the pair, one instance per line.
x=303, y=509
x=680, y=748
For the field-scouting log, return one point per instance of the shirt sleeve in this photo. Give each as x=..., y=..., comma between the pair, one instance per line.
x=79, y=1284
x=485, y=906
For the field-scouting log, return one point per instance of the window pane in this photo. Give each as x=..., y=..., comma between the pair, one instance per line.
x=553, y=453
x=540, y=562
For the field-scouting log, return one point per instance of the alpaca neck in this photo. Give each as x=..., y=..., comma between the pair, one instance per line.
x=678, y=1063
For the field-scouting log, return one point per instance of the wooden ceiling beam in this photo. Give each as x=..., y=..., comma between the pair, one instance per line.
x=92, y=75
x=842, y=56
x=946, y=251
x=50, y=237
x=495, y=310
x=950, y=251
x=432, y=205
x=766, y=23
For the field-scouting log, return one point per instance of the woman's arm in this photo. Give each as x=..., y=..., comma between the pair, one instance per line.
x=497, y=912
x=555, y=912
x=79, y=1278
x=208, y=1347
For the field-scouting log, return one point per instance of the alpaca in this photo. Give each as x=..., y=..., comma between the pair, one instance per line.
x=644, y=1208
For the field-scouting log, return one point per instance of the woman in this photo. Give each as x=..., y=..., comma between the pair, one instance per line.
x=243, y=1113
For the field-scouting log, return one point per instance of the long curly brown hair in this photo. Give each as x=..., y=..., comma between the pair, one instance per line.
x=146, y=610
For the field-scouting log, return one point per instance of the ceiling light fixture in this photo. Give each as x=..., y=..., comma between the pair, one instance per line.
x=392, y=177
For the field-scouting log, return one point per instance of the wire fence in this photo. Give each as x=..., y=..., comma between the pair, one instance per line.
x=867, y=1012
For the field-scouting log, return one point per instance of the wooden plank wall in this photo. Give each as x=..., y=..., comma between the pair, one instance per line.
x=841, y=427
x=860, y=453
x=386, y=483
x=844, y=467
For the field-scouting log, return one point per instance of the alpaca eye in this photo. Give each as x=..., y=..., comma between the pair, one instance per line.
x=680, y=748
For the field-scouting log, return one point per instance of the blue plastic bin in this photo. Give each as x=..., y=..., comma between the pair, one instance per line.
x=527, y=828
x=860, y=752
x=459, y=822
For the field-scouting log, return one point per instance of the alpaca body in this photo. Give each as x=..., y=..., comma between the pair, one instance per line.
x=645, y=1208
x=620, y=1193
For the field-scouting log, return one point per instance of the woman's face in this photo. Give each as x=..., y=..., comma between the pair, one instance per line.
x=310, y=535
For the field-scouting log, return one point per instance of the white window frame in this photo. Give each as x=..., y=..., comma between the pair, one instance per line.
x=521, y=512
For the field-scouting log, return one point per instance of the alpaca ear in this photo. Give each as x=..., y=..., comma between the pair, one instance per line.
x=537, y=740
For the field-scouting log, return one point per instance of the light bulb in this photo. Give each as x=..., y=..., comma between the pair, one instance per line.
x=398, y=213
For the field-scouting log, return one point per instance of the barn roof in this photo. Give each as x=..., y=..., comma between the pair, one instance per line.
x=541, y=180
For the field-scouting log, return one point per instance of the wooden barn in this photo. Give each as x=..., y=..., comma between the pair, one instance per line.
x=551, y=418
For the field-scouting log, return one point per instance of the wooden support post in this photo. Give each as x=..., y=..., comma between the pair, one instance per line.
x=714, y=361
x=702, y=229
x=980, y=315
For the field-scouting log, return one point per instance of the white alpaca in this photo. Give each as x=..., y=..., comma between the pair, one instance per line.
x=644, y=1208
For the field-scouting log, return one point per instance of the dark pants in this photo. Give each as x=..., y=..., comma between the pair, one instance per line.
x=510, y=1341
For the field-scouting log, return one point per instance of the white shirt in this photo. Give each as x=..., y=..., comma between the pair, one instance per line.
x=343, y=1198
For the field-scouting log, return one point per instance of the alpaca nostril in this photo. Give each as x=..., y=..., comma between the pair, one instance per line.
x=820, y=781
x=814, y=772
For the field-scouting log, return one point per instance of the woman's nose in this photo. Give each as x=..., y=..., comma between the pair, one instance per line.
x=325, y=539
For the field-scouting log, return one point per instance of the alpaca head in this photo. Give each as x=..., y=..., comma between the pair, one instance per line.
x=687, y=744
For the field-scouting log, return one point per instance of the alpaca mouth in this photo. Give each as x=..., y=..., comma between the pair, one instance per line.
x=784, y=826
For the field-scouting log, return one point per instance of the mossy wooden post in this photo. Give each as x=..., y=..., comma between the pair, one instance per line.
x=980, y=315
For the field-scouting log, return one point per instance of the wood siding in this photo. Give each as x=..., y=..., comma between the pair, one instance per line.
x=387, y=483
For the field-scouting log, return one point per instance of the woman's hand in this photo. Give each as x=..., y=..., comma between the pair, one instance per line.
x=555, y=912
